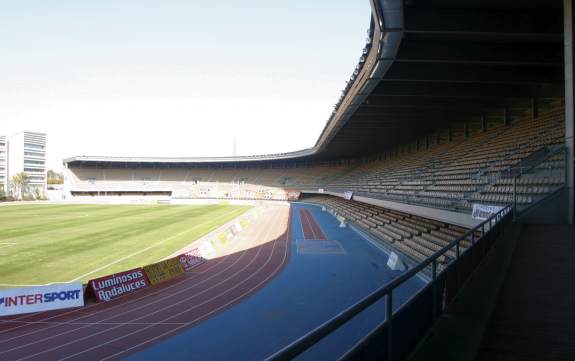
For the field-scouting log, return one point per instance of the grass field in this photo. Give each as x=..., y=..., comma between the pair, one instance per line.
x=42, y=244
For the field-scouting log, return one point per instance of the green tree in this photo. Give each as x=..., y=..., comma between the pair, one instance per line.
x=55, y=178
x=20, y=181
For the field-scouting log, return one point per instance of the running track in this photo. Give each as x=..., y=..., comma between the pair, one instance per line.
x=310, y=228
x=113, y=330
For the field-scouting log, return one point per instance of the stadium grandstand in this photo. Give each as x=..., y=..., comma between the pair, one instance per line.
x=451, y=151
x=447, y=172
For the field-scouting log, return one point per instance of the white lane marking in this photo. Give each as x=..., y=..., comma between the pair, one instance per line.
x=26, y=285
x=146, y=249
x=245, y=293
x=130, y=302
x=131, y=310
x=158, y=301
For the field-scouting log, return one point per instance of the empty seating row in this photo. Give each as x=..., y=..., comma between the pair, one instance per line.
x=412, y=235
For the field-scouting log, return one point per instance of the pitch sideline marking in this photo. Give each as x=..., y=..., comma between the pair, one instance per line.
x=142, y=250
x=23, y=285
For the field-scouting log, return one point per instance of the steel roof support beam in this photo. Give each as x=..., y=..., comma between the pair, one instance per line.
x=430, y=50
x=500, y=23
x=446, y=103
x=467, y=91
x=471, y=73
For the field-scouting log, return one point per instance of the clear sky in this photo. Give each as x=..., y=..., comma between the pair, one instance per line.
x=175, y=77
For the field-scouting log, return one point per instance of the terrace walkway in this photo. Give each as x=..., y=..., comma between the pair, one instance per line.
x=535, y=314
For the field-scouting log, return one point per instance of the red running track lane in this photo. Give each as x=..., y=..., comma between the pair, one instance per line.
x=311, y=230
x=113, y=330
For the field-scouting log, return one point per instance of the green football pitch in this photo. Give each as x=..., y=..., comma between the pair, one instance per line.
x=42, y=244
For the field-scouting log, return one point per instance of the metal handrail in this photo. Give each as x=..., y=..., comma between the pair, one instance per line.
x=519, y=170
x=311, y=338
x=531, y=140
x=520, y=213
x=404, y=198
x=511, y=171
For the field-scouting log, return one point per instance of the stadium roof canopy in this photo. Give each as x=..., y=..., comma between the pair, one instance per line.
x=429, y=65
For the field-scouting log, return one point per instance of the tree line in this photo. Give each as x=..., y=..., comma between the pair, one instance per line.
x=19, y=186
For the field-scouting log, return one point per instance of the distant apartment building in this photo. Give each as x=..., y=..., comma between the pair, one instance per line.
x=27, y=153
x=3, y=164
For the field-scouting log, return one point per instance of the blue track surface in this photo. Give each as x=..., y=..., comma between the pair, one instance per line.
x=310, y=290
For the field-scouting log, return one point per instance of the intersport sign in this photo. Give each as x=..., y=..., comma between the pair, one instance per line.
x=40, y=298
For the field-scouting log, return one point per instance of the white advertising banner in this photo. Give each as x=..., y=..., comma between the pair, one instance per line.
x=484, y=211
x=348, y=195
x=41, y=298
x=207, y=250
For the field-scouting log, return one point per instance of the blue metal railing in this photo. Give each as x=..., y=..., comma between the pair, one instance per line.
x=475, y=235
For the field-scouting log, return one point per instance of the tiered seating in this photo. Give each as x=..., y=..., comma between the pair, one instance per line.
x=450, y=175
x=226, y=183
x=415, y=236
x=528, y=187
x=456, y=174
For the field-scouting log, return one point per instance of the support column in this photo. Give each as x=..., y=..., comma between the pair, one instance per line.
x=66, y=193
x=483, y=123
x=569, y=129
x=449, y=135
x=506, y=116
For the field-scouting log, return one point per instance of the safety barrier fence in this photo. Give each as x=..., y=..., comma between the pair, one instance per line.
x=533, y=167
x=405, y=325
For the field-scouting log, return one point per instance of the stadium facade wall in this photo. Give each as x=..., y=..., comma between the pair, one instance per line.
x=27, y=153
x=3, y=164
